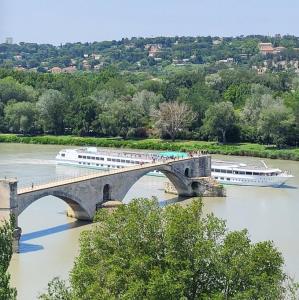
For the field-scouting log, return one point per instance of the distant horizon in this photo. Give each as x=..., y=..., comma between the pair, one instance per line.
x=151, y=37
x=69, y=21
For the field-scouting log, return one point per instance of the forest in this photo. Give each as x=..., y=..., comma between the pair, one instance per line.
x=227, y=105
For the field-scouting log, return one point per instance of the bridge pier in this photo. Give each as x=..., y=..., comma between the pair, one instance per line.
x=9, y=207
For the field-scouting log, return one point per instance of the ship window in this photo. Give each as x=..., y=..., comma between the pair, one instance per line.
x=93, y=157
x=255, y=173
x=88, y=164
x=228, y=179
x=79, y=156
x=216, y=177
x=229, y=171
x=101, y=158
x=79, y=163
x=248, y=173
x=217, y=170
x=97, y=158
x=213, y=170
x=128, y=161
x=242, y=172
x=221, y=178
x=88, y=157
x=97, y=165
x=112, y=159
x=122, y=160
x=101, y=165
x=108, y=159
x=84, y=157
x=236, y=172
x=62, y=154
x=108, y=166
x=117, y=160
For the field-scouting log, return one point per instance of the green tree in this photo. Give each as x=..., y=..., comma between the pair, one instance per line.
x=81, y=116
x=21, y=116
x=143, y=251
x=276, y=125
x=219, y=119
x=52, y=109
x=237, y=93
x=120, y=118
x=6, y=236
x=11, y=89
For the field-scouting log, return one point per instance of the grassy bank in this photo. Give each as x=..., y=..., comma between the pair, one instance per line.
x=242, y=149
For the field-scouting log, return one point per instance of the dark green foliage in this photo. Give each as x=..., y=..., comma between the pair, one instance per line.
x=143, y=251
x=6, y=236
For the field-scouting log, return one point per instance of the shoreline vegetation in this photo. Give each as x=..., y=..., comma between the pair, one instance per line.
x=238, y=149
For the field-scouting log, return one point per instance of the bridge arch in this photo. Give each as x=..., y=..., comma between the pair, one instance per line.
x=179, y=180
x=77, y=208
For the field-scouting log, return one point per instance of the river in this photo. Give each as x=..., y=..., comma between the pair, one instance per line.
x=50, y=239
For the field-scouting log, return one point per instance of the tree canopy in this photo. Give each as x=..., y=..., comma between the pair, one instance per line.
x=6, y=235
x=144, y=251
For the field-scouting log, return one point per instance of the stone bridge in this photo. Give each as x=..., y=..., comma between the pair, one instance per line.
x=85, y=194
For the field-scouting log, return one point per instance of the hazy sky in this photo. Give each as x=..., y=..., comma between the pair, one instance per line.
x=61, y=21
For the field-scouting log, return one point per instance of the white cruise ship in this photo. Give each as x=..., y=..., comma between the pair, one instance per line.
x=242, y=174
x=223, y=171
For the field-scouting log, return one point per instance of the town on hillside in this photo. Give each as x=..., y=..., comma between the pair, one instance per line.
x=260, y=53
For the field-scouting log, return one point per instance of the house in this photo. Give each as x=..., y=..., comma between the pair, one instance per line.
x=70, y=69
x=56, y=70
x=18, y=57
x=98, y=66
x=260, y=70
x=86, y=65
x=266, y=48
x=278, y=49
x=217, y=42
x=96, y=56
x=153, y=49
x=19, y=68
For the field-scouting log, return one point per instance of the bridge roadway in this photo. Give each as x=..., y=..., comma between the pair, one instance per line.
x=38, y=187
x=84, y=194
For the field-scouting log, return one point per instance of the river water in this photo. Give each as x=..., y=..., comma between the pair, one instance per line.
x=50, y=239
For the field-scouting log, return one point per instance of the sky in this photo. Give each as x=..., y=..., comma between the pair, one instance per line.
x=62, y=21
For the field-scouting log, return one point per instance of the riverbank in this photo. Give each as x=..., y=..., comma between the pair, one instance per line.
x=240, y=149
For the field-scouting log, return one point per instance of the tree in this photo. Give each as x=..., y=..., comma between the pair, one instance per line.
x=220, y=118
x=143, y=251
x=21, y=116
x=11, y=89
x=120, y=118
x=6, y=236
x=173, y=117
x=81, y=116
x=237, y=93
x=146, y=101
x=276, y=125
x=52, y=109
